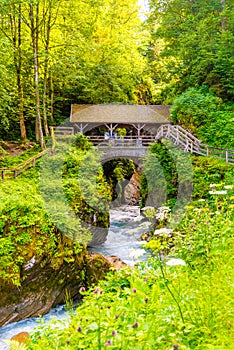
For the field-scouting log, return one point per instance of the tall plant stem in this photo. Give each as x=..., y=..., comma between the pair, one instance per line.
x=171, y=293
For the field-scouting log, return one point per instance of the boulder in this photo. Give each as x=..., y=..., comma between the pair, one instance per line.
x=44, y=286
x=132, y=190
x=21, y=337
x=116, y=262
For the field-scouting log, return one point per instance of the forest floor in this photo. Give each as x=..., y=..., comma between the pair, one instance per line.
x=14, y=148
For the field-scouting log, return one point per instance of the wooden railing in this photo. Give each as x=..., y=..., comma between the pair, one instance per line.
x=180, y=137
x=122, y=141
x=62, y=130
x=9, y=173
x=189, y=143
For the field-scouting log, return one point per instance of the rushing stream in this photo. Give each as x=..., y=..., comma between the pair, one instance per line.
x=123, y=241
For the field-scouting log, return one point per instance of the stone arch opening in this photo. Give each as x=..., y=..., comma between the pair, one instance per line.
x=123, y=175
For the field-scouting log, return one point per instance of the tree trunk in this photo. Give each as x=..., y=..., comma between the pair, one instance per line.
x=51, y=98
x=34, y=36
x=19, y=82
x=47, y=42
x=223, y=23
x=44, y=101
x=15, y=24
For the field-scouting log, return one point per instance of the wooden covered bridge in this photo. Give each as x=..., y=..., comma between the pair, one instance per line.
x=125, y=131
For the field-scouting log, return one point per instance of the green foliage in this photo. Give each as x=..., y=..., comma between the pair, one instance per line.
x=82, y=142
x=161, y=305
x=164, y=172
x=220, y=131
x=204, y=115
x=193, y=109
x=206, y=171
x=49, y=218
x=89, y=52
x=116, y=171
x=199, y=245
x=25, y=228
x=167, y=174
x=192, y=46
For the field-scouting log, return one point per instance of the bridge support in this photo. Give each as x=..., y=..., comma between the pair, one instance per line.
x=111, y=128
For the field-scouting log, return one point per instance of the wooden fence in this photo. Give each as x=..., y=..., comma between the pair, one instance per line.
x=9, y=173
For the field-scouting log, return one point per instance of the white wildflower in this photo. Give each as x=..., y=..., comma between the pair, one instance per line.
x=218, y=192
x=164, y=209
x=175, y=262
x=148, y=208
x=165, y=230
x=228, y=187
x=160, y=216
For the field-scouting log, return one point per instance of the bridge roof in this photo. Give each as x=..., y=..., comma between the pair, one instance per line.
x=119, y=113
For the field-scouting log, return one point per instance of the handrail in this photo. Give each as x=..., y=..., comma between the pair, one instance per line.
x=189, y=143
x=179, y=136
x=20, y=168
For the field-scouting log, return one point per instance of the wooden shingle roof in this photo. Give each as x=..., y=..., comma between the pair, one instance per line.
x=118, y=113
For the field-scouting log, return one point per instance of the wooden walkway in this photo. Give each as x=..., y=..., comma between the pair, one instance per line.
x=116, y=146
x=186, y=141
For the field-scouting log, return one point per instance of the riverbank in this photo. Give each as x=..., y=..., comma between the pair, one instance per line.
x=185, y=305
x=126, y=227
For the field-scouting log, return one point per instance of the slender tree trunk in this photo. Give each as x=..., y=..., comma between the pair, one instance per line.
x=47, y=41
x=223, y=23
x=44, y=100
x=51, y=98
x=19, y=82
x=50, y=15
x=21, y=108
x=15, y=23
x=34, y=36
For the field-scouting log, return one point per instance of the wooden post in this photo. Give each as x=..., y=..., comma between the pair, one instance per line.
x=2, y=174
x=138, y=127
x=111, y=128
x=226, y=156
x=81, y=127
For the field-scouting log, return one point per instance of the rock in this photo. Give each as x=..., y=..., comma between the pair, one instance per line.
x=21, y=337
x=44, y=286
x=139, y=218
x=145, y=225
x=132, y=190
x=116, y=262
x=99, y=235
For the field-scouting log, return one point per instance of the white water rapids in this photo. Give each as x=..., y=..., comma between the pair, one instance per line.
x=123, y=240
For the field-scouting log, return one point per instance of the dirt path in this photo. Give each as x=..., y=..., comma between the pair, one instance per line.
x=14, y=148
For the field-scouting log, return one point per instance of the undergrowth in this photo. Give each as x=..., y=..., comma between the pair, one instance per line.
x=159, y=305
